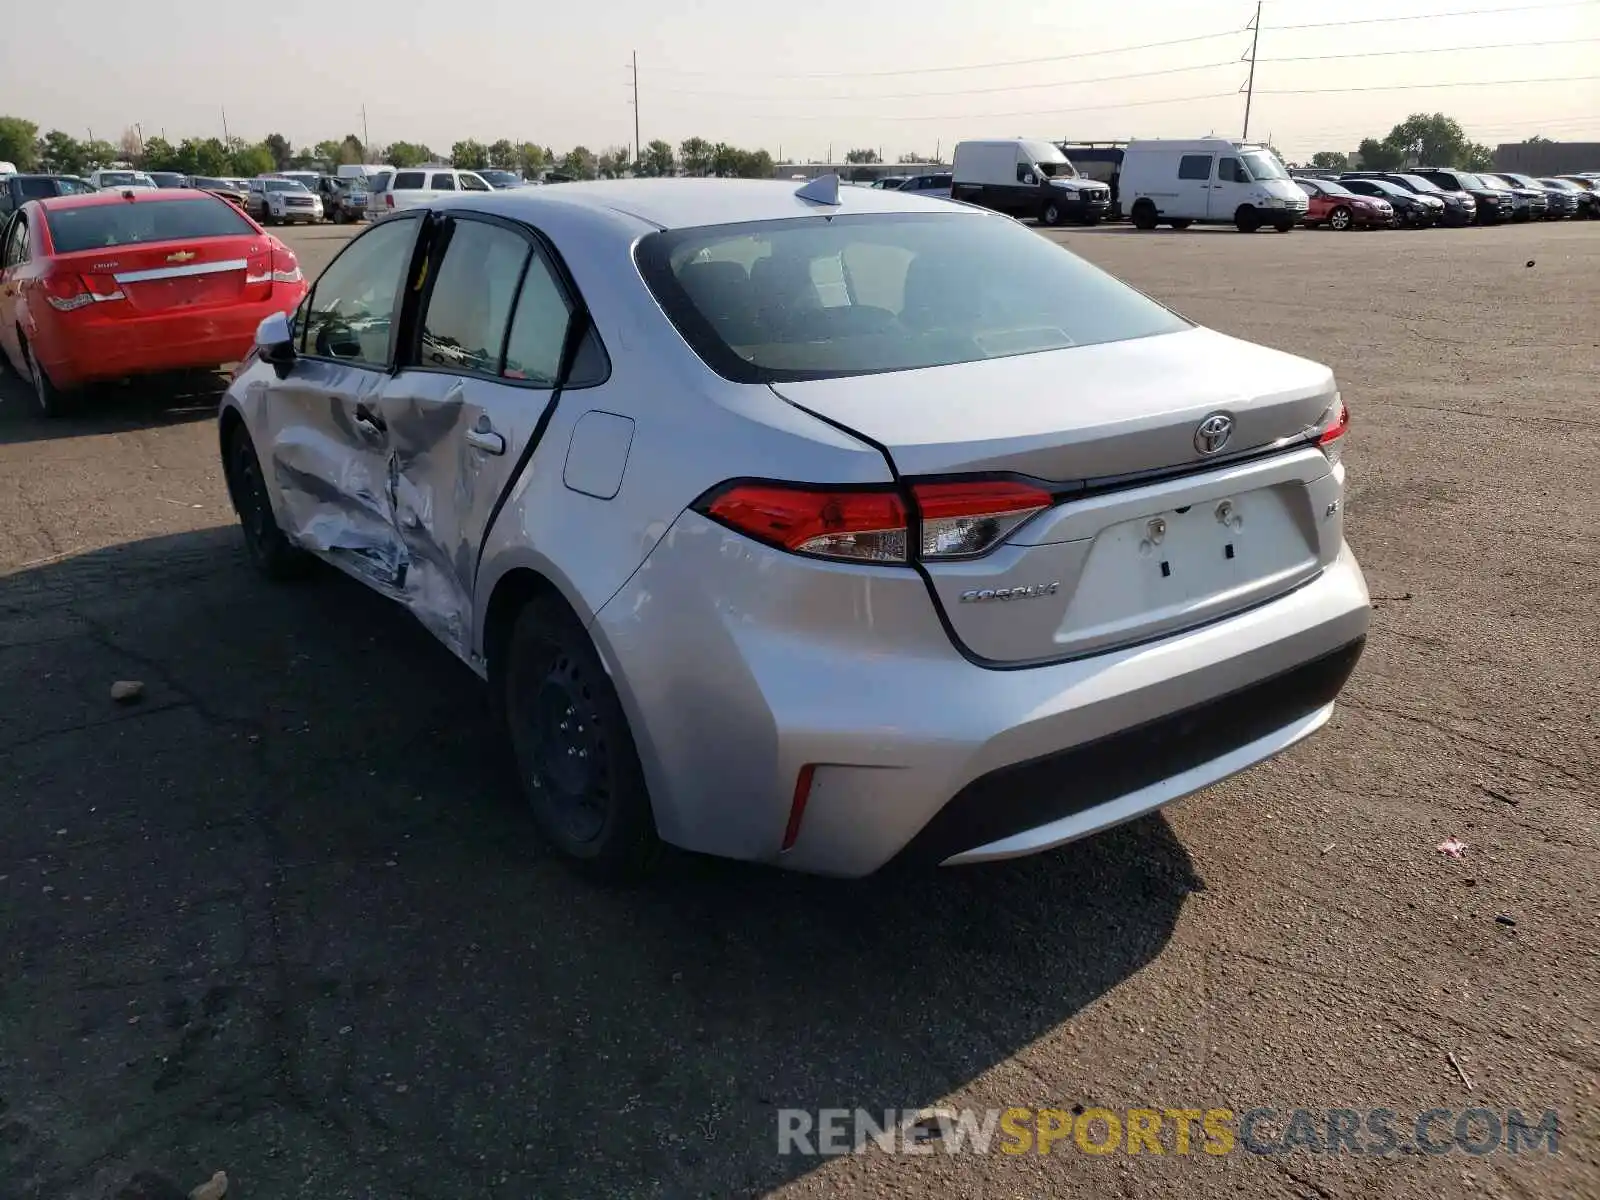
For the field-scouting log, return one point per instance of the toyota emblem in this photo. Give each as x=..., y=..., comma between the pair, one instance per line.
x=1213, y=433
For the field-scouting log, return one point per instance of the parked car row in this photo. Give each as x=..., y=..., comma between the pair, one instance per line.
x=1426, y=196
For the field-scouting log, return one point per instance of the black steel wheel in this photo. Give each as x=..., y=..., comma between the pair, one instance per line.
x=270, y=551
x=575, y=755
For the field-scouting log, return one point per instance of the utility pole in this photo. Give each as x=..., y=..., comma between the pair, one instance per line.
x=1250, y=86
x=638, y=146
x=225, y=138
x=366, y=138
x=139, y=129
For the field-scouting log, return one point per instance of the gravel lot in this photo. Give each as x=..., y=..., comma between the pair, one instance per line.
x=283, y=917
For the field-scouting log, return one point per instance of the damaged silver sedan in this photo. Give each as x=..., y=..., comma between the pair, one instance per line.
x=817, y=527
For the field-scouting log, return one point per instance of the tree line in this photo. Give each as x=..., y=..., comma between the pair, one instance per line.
x=22, y=144
x=1421, y=140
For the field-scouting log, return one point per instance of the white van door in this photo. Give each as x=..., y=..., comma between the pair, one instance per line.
x=1194, y=188
x=1231, y=188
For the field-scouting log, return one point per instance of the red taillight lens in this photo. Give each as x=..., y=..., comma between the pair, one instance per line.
x=865, y=525
x=963, y=519
x=68, y=292
x=797, y=806
x=1328, y=439
x=285, y=266
x=388, y=199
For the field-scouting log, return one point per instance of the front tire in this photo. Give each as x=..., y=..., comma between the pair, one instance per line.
x=1247, y=220
x=270, y=551
x=1341, y=219
x=1181, y=224
x=575, y=756
x=1283, y=226
x=1051, y=214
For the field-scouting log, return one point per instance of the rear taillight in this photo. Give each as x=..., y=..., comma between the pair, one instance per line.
x=285, y=266
x=865, y=525
x=1329, y=438
x=960, y=519
x=67, y=291
x=388, y=199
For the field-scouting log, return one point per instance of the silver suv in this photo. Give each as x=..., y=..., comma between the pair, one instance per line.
x=815, y=527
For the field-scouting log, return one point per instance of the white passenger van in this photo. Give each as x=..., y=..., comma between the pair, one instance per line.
x=1026, y=177
x=1208, y=181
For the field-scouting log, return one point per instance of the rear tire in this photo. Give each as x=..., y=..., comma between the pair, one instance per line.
x=1144, y=215
x=1283, y=226
x=270, y=551
x=575, y=756
x=1247, y=220
x=48, y=401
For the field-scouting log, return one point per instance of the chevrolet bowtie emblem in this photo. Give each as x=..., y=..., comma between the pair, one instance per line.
x=181, y=256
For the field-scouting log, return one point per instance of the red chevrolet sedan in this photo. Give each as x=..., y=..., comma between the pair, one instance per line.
x=119, y=283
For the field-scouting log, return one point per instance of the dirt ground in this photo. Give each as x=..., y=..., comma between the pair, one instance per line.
x=284, y=918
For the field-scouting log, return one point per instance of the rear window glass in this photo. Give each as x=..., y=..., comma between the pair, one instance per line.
x=816, y=298
x=36, y=189
x=129, y=223
x=407, y=179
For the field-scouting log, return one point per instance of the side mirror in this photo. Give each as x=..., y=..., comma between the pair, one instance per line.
x=275, y=341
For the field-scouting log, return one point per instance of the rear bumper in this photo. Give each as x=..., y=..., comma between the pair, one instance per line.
x=111, y=349
x=731, y=689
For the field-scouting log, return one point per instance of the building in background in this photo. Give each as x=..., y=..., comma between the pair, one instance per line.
x=1547, y=158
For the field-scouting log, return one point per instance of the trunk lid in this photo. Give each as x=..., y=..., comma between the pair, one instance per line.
x=1149, y=535
x=159, y=277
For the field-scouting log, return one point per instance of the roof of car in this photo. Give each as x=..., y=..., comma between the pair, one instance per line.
x=683, y=203
x=116, y=195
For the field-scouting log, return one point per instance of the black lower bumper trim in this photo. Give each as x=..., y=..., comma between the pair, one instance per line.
x=1027, y=795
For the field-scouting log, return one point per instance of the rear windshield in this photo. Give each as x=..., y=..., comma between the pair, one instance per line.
x=818, y=297
x=112, y=179
x=100, y=225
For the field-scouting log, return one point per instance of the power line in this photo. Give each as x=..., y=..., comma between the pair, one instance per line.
x=1035, y=112
x=1014, y=62
x=1432, y=50
x=1410, y=87
x=1467, y=12
x=1010, y=87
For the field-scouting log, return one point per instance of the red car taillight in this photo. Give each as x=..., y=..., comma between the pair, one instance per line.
x=959, y=519
x=388, y=199
x=285, y=266
x=1329, y=438
x=67, y=291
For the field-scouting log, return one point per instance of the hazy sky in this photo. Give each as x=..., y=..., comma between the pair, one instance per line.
x=734, y=70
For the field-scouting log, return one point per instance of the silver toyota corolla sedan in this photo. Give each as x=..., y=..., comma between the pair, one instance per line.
x=816, y=526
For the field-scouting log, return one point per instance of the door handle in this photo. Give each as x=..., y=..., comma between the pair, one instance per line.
x=369, y=421
x=486, y=439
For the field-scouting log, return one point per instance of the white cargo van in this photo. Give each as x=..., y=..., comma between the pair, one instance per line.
x=1209, y=181
x=1026, y=177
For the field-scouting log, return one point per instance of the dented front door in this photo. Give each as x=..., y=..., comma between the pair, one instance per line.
x=462, y=412
x=321, y=426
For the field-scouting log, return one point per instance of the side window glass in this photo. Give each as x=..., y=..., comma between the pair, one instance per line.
x=354, y=304
x=471, y=183
x=443, y=182
x=1194, y=166
x=8, y=243
x=407, y=180
x=473, y=294
x=539, y=328
x=1024, y=173
x=1230, y=170
x=24, y=243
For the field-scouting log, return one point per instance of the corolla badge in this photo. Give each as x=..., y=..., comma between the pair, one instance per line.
x=1031, y=592
x=1213, y=433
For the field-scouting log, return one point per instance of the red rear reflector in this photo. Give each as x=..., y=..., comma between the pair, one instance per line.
x=867, y=526
x=970, y=517
x=797, y=808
